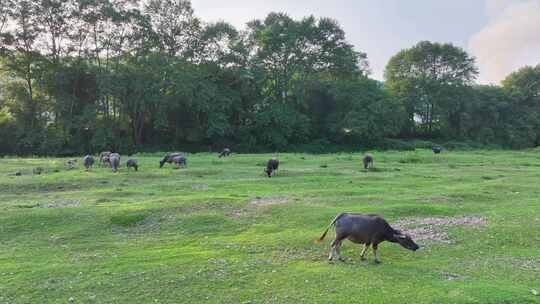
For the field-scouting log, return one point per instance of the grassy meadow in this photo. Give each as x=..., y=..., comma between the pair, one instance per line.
x=220, y=231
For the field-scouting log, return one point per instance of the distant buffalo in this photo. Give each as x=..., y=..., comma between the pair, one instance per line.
x=226, y=152
x=132, y=163
x=436, y=150
x=114, y=161
x=365, y=229
x=179, y=161
x=37, y=170
x=271, y=166
x=368, y=161
x=71, y=163
x=104, y=158
x=168, y=158
x=88, y=162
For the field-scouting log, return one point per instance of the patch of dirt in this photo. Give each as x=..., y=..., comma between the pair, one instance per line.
x=267, y=201
x=238, y=213
x=259, y=202
x=445, y=221
x=432, y=228
x=61, y=204
x=440, y=199
x=452, y=276
x=428, y=233
x=525, y=263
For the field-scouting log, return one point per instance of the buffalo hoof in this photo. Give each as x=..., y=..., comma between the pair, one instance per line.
x=377, y=262
x=363, y=259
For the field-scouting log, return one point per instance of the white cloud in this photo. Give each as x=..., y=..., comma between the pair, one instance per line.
x=509, y=41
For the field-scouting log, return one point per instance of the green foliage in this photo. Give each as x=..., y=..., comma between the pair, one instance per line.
x=150, y=75
x=430, y=79
x=523, y=113
x=397, y=144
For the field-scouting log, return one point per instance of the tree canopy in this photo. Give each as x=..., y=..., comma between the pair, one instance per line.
x=82, y=76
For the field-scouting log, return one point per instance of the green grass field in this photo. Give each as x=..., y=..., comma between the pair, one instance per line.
x=221, y=232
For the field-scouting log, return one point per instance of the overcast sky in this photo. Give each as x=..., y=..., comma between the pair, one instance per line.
x=502, y=34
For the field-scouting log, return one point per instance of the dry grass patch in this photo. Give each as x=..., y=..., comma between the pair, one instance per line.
x=61, y=204
x=433, y=228
x=267, y=201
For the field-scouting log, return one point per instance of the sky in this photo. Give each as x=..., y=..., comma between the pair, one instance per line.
x=503, y=35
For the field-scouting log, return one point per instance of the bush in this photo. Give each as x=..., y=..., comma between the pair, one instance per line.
x=396, y=144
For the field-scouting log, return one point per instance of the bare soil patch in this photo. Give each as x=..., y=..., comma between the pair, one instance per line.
x=267, y=201
x=440, y=199
x=452, y=276
x=259, y=202
x=433, y=228
x=61, y=204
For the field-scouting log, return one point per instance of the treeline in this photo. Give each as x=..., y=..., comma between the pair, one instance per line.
x=81, y=76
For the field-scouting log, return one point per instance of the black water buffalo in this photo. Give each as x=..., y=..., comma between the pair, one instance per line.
x=37, y=170
x=114, y=161
x=132, y=163
x=436, y=150
x=88, y=162
x=104, y=158
x=179, y=161
x=368, y=161
x=225, y=152
x=367, y=229
x=71, y=163
x=168, y=158
x=271, y=166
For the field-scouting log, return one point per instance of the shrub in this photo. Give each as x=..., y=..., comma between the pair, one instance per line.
x=396, y=144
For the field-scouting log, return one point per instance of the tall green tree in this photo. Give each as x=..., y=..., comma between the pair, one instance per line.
x=430, y=79
x=523, y=88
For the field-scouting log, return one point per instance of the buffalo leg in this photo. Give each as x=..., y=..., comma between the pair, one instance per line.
x=335, y=251
x=364, y=251
x=376, y=257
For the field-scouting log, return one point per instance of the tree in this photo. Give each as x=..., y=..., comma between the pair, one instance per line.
x=429, y=79
x=485, y=119
x=288, y=52
x=363, y=112
x=523, y=88
x=174, y=26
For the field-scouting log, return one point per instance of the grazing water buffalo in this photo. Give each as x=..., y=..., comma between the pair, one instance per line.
x=271, y=166
x=168, y=158
x=71, y=163
x=368, y=161
x=132, y=163
x=225, y=152
x=436, y=150
x=179, y=161
x=114, y=161
x=37, y=170
x=365, y=229
x=104, y=158
x=88, y=162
